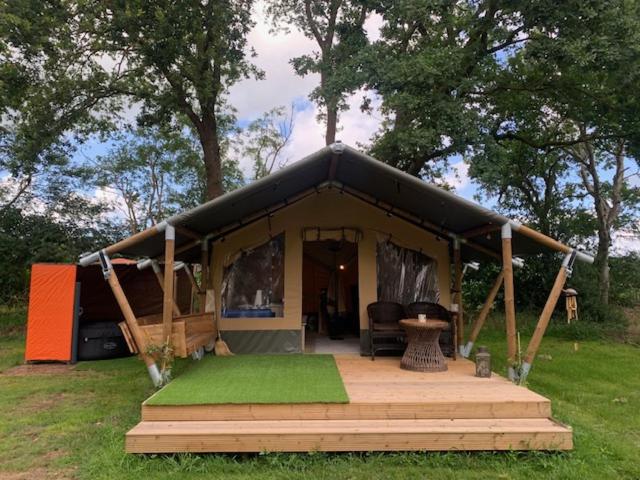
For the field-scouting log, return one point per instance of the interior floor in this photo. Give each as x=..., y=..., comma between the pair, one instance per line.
x=330, y=297
x=316, y=343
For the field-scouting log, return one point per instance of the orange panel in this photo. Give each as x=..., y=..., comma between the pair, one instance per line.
x=50, y=319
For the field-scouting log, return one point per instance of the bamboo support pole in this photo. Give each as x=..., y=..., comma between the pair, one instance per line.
x=130, y=319
x=545, y=316
x=482, y=316
x=167, y=307
x=509, y=299
x=457, y=266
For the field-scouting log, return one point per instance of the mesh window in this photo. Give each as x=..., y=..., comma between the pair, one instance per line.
x=253, y=285
x=406, y=276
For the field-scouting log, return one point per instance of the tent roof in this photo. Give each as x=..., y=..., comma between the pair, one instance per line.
x=431, y=207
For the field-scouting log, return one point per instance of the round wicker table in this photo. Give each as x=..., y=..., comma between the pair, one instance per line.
x=423, y=353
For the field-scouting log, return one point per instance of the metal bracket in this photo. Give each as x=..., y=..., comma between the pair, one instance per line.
x=465, y=350
x=569, y=261
x=105, y=263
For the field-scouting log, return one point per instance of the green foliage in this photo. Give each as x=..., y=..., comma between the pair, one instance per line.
x=430, y=66
x=625, y=278
x=71, y=67
x=27, y=238
x=533, y=282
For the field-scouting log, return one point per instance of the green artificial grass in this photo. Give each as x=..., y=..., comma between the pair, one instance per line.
x=256, y=379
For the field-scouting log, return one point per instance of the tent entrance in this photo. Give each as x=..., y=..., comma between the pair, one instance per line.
x=330, y=296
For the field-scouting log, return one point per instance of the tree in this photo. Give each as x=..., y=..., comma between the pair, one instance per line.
x=179, y=57
x=337, y=27
x=579, y=91
x=157, y=172
x=615, y=202
x=532, y=185
x=169, y=58
x=431, y=60
x=49, y=99
x=490, y=78
x=265, y=139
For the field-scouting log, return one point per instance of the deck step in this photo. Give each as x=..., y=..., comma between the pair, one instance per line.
x=534, y=407
x=348, y=435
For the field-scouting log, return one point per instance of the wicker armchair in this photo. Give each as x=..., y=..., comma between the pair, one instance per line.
x=385, y=332
x=438, y=312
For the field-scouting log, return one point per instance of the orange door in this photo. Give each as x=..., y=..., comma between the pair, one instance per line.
x=50, y=317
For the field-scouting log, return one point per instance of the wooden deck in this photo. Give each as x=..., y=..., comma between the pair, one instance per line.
x=389, y=409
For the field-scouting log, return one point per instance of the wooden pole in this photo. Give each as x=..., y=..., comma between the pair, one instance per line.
x=167, y=307
x=509, y=300
x=129, y=317
x=204, y=275
x=550, y=242
x=545, y=316
x=482, y=316
x=160, y=277
x=457, y=266
x=122, y=244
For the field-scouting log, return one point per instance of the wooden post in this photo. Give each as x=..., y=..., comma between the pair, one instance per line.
x=129, y=317
x=509, y=300
x=545, y=316
x=457, y=266
x=482, y=316
x=167, y=307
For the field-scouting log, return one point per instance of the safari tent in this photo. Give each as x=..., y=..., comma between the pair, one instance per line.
x=264, y=249
x=336, y=232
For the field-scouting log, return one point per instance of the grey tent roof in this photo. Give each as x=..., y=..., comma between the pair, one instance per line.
x=354, y=170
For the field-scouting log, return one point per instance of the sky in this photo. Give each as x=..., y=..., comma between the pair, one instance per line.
x=282, y=87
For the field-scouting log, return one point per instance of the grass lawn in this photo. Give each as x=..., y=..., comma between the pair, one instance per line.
x=71, y=424
x=256, y=379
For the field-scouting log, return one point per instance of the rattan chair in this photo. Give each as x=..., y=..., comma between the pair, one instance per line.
x=385, y=332
x=437, y=312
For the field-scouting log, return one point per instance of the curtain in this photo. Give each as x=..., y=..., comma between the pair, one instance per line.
x=253, y=283
x=406, y=275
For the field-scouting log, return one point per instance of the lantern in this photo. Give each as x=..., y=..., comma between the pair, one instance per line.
x=483, y=363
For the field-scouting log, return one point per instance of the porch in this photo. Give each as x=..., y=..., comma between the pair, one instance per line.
x=389, y=409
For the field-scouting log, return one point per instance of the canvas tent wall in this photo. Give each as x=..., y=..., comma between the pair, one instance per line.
x=332, y=215
x=63, y=296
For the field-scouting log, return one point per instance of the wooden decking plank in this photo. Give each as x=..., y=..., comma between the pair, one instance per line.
x=347, y=435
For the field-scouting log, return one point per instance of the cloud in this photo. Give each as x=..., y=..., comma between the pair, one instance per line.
x=281, y=85
x=458, y=176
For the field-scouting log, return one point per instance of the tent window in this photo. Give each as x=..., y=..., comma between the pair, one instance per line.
x=253, y=285
x=405, y=275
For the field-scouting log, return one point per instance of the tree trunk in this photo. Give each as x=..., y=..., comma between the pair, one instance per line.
x=602, y=261
x=212, y=161
x=332, y=123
